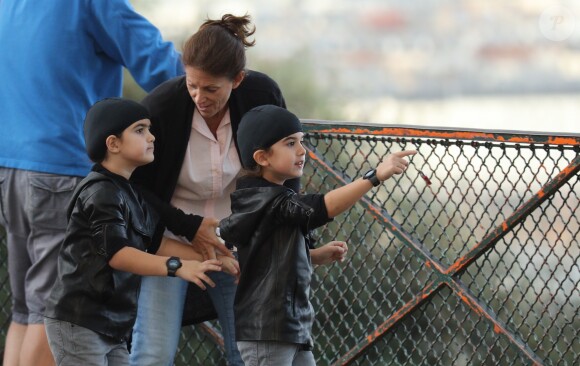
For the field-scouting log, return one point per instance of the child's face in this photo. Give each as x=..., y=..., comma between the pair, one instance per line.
x=136, y=143
x=285, y=159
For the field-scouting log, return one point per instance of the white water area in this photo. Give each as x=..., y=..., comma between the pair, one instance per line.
x=556, y=113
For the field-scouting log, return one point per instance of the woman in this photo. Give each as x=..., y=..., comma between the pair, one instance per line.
x=195, y=119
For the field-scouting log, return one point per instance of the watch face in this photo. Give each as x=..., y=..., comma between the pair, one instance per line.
x=369, y=174
x=173, y=263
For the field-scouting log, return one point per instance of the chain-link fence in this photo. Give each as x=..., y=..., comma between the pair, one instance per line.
x=471, y=257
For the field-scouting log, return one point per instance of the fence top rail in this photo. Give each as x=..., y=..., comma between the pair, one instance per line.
x=423, y=132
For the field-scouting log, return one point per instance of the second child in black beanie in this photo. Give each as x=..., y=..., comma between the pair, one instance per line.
x=270, y=225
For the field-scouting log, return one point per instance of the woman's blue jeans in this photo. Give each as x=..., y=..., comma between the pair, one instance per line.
x=158, y=327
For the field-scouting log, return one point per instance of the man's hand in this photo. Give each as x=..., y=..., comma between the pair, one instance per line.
x=206, y=242
x=328, y=253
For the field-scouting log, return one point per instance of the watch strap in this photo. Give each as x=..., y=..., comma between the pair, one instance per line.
x=371, y=176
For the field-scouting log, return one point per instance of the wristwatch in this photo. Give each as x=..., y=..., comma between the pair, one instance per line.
x=173, y=264
x=371, y=175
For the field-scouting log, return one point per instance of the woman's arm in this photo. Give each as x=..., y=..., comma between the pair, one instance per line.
x=200, y=229
x=173, y=248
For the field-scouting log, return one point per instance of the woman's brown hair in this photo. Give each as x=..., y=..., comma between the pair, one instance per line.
x=219, y=46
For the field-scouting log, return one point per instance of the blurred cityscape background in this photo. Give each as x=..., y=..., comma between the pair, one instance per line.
x=464, y=63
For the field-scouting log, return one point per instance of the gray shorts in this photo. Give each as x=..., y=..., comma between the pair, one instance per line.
x=33, y=212
x=73, y=345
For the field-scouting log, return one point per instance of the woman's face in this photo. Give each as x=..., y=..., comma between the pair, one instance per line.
x=209, y=93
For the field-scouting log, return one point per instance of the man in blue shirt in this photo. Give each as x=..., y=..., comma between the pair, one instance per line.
x=58, y=58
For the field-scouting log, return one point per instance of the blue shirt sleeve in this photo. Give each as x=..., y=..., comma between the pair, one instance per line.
x=132, y=41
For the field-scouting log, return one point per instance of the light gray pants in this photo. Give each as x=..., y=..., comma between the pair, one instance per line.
x=269, y=353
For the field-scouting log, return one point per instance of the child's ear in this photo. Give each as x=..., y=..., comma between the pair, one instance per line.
x=112, y=143
x=261, y=157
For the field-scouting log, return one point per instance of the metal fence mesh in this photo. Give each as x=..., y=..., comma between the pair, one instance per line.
x=479, y=267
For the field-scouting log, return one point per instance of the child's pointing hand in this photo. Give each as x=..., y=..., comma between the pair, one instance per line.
x=394, y=163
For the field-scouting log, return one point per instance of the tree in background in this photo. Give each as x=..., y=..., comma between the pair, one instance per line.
x=298, y=82
x=296, y=78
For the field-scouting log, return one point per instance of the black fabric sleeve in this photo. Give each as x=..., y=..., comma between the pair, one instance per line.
x=174, y=219
x=320, y=215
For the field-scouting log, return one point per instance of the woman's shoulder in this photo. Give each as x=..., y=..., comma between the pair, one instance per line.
x=256, y=89
x=258, y=80
x=169, y=91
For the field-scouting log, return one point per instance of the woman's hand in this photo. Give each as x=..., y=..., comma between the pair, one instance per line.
x=231, y=266
x=206, y=242
x=195, y=271
x=330, y=252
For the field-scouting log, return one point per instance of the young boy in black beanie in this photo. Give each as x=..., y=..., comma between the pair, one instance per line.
x=93, y=303
x=270, y=226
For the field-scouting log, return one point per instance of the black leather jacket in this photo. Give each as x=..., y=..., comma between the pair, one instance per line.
x=105, y=215
x=270, y=224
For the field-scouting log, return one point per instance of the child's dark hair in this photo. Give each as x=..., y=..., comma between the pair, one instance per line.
x=261, y=127
x=109, y=116
x=219, y=46
x=257, y=170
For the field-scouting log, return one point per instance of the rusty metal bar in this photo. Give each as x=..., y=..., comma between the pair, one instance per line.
x=212, y=334
x=409, y=132
x=393, y=320
x=515, y=218
x=498, y=326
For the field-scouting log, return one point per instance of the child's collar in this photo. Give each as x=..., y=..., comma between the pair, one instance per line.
x=250, y=181
x=99, y=168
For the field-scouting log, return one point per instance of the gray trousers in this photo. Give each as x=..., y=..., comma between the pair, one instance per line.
x=269, y=353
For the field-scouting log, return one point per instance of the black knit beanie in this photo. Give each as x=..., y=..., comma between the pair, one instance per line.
x=109, y=117
x=261, y=127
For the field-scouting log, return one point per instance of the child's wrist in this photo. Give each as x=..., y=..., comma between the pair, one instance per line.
x=372, y=177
